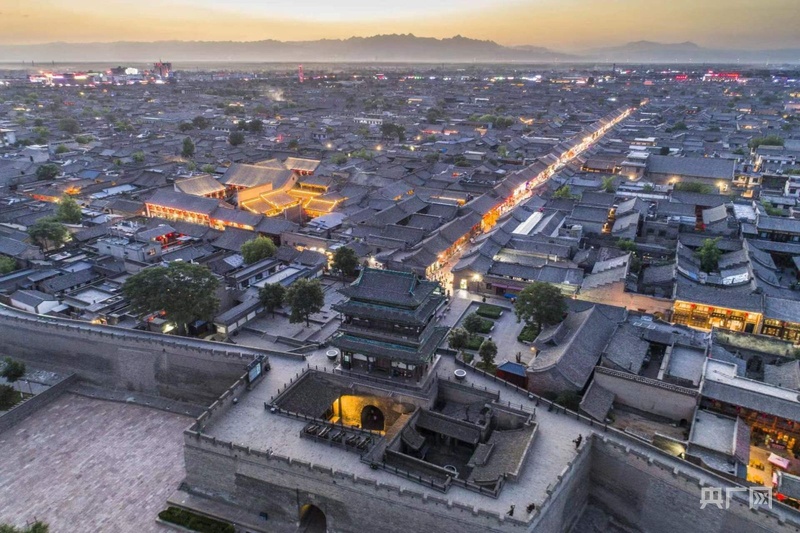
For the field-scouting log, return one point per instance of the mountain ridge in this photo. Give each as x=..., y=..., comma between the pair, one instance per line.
x=377, y=48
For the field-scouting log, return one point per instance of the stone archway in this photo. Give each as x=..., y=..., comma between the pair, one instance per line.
x=312, y=520
x=372, y=418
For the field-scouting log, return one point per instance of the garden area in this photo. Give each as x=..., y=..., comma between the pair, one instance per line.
x=195, y=522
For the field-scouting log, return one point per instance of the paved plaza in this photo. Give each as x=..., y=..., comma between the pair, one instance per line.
x=82, y=464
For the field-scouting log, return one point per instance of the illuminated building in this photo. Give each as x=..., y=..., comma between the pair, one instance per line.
x=389, y=324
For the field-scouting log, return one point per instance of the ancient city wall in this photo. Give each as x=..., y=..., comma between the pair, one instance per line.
x=21, y=411
x=183, y=369
x=660, y=494
x=279, y=486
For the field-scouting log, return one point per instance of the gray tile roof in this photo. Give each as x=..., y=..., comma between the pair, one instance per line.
x=575, y=352
x=698, y=167
x=786, y=375
x=597, y=402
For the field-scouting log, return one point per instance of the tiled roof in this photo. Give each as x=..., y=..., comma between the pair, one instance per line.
x=183, y=202
x=576, y=353
x=202, y=185
x=698, y=167
x=597, y=402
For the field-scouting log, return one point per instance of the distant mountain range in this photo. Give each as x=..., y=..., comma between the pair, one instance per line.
x=379, y=48
x=688, y=52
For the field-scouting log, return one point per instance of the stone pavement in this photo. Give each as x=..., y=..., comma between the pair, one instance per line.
x=82, y=464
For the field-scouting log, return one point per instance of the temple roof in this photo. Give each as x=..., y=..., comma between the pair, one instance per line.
x=389, y=350
x=392, y=288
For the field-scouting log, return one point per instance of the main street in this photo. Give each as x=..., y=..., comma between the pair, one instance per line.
x=526, y=191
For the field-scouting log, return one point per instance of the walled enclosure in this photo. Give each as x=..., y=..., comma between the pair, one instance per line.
x=643, y=489
x=183, y=369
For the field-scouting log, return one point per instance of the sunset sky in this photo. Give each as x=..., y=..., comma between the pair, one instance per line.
x=560, y=24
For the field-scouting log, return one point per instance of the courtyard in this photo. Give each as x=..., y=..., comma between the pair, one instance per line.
x=82, y=464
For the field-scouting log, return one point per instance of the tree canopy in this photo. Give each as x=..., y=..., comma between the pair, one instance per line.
x=608, y=184
x=540, y=304
x=35, y=527
x=185, y=292
x=68, y=210
x=7, y=264
x=48, y=232
x=13, y=370
x=188, y=148
x=257, y=249
x=305, y=297
x=769, y=140
x=487, y=353
x=709, y=254
x=47, y=172
x=272, y=296
x=390, y=130
x=458, y=338
x=472, y=323
x=564, y=192
x=69, y=125
x=345, y=261
x=236, y=138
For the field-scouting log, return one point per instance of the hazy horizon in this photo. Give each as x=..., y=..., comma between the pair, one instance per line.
x=562, y=25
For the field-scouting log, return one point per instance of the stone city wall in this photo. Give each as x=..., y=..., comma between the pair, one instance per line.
x=661, y=494
x=23, y=410
x=173, y=367
x=263, y=482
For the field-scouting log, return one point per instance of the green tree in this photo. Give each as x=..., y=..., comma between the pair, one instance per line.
x=487, y=353
x=138, y=157
x=183, y=127
x=13, y=371
x=664, y=150
x=502, y=151
x=185, y=292
x=68, y=210
x=472, y=323
x=569, y=399
x=83, y=139
x=272, y=296
x=200, y=123
x=339, y=159
x=626, y=245
x=564, y=192
x=7, y=264
x=47, y=172
x=305, y=297
x=255, y=126
x=188, y=148
x=434, y=114
x=48, y=232
x=35, y=527
x=236, y=138
x=61, y=149
x=69, y=125
x=689, y=186
x=258, y=249
x=345, y=261
x=608, y=184
x=208, y=168
x=540, y=304
x=458, y=338
x=709, y=254
x=294, y=144
x=769, y=140
x=389, y=130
